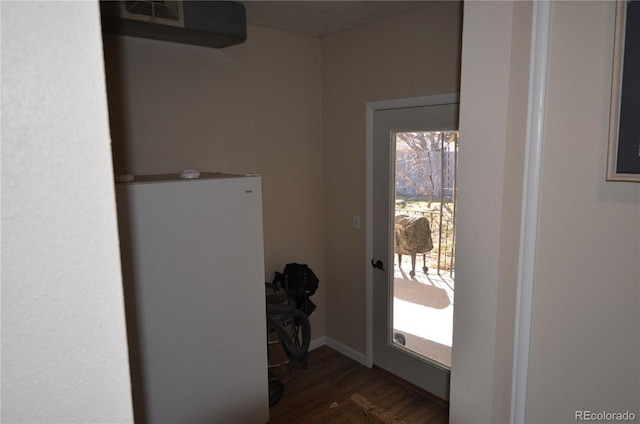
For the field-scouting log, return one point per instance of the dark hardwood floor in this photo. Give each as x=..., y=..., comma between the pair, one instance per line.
x=332, y=377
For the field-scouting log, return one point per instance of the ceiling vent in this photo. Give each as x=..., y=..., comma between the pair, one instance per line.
x=203, y=23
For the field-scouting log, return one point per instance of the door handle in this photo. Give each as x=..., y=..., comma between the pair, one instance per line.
x=378, y=264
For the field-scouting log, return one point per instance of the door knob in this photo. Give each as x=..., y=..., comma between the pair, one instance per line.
x=378, y=264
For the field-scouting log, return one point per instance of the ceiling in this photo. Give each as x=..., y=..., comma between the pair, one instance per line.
x=321, y=18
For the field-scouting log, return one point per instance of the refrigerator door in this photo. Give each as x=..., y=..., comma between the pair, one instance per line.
x=194, y=284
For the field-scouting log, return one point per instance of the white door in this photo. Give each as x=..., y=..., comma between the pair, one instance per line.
x=436, y=113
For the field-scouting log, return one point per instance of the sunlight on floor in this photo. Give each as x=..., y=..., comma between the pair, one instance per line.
x=423, y=311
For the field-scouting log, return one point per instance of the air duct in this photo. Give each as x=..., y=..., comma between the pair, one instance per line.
x=214, y=24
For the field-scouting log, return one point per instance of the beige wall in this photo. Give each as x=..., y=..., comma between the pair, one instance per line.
x=255, y=107
x=585, y=347
x=493, y=124
x=414, y=54
x=493, y=108
x=586, y=322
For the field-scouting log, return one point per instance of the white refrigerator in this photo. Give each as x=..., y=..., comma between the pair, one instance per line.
x=193, y=269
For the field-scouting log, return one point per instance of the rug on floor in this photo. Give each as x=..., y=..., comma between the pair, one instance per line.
x=357, y=410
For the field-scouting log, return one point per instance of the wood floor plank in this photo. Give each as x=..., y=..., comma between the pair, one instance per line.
x=332, y=377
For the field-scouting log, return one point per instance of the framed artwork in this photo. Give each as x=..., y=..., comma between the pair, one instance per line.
x=624, y=127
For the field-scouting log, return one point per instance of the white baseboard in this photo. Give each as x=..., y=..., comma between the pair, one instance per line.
x=338, y=347
x=316, y=343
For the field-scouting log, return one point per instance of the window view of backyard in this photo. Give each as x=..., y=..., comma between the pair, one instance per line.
x=424, y=242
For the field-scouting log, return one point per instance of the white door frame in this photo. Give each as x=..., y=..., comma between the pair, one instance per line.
x=370, y=108
x=538, y=69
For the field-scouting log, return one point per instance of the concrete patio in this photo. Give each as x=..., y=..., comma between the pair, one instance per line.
x=423, y=310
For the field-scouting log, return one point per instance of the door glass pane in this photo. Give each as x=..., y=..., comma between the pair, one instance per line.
x=424, y=243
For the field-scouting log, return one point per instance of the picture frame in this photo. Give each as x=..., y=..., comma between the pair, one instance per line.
x=624, y=125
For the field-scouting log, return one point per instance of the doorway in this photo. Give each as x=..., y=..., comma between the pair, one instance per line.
x=408, y=290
